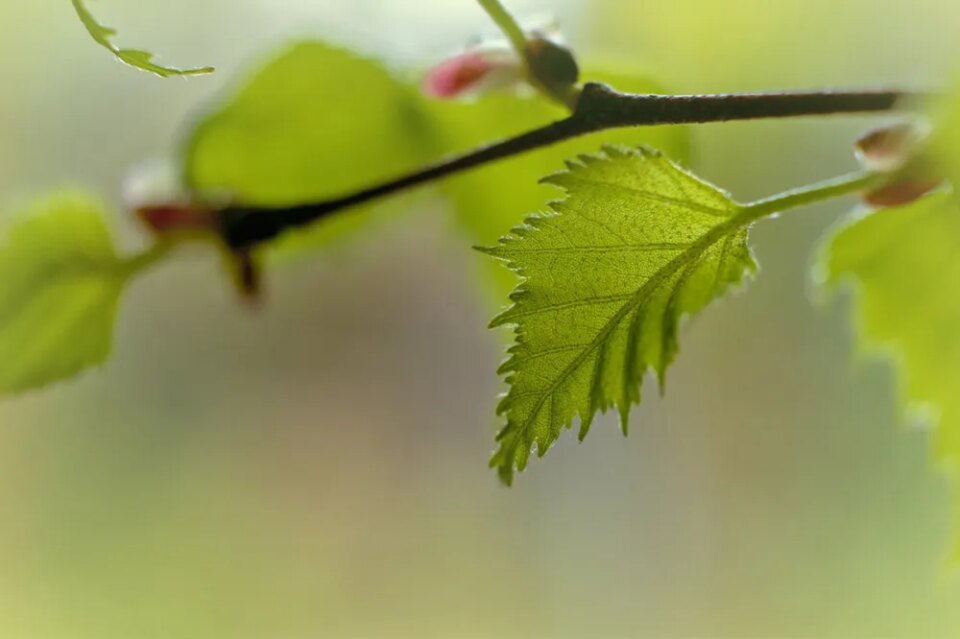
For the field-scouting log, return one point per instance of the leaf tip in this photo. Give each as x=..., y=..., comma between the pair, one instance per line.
x=625, y=419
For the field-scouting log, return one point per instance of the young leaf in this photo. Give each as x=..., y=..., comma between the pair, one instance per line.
x=905, y=263
x=315, y=122
x=142, y=60
x=58, y=295
x=637, y=244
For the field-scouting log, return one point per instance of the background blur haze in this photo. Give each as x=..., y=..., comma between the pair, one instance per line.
x=318, y=468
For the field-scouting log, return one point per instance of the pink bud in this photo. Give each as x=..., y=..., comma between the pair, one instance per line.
x=479, y=70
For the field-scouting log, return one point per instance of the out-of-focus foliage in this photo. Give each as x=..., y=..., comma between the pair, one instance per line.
x=61, y=283
x=637, y=244
x=317, y=122
x=905, y=263
x=143, y=60
x=946, y=142
x=313, y=123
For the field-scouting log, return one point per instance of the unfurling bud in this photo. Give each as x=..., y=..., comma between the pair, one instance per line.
x=545, y=64
x=897, y=150
x=483, y=69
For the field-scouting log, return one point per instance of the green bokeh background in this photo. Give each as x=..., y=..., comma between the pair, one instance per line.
x=316, y=467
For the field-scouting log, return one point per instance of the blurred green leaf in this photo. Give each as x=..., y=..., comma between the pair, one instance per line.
x=492, y=199
x=61, y=284
x=905, y=264
x=946, y=140
x=637, y=244
x=142, y=60
x=314, y=123
x=317, y=122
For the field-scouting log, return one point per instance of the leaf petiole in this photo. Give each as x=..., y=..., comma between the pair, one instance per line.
x=507, y=24
x=811, y=194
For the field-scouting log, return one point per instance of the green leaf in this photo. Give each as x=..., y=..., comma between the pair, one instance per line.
x=314, y=123
x=142, y=60
x=494, y=198
x=905, y=265
x=61, y=284
x=637, y=244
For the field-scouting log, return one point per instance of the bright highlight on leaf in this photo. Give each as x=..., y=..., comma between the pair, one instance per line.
x=61, y=283
x=637, y=244
x=142, y=60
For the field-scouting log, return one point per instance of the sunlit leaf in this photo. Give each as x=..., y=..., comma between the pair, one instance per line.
x=143, y=60
x=607, y=275
x=61, y=283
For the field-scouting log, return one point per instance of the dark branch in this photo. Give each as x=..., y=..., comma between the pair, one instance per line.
x=599, y=108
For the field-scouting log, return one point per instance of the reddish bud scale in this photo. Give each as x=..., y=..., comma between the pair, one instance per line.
x=458, y=75
x=164, y=219
x=899, y=193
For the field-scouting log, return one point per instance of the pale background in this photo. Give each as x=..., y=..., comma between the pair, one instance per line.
x=318, y=468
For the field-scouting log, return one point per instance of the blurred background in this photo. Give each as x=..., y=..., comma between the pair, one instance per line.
x=317, y=467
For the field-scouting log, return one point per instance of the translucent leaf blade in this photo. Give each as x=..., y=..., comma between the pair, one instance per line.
x=607, y=275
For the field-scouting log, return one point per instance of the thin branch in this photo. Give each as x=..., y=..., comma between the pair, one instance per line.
x=599, y=108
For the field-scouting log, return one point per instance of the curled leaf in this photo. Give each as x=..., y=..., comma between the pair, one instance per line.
x=137, y=58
